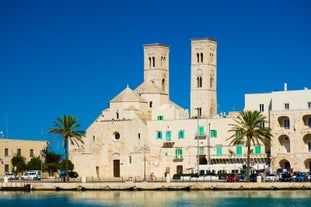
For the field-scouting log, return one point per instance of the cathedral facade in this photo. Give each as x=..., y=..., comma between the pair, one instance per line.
x=143, y=132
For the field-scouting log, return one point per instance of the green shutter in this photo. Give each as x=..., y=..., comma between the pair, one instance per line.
x=178, y=153
x=181, y=134
x=159, y=135
x=160, y=117
x=213, y=133
x=218, y=150
x=257, y=149
x=201, y=131
x=239, y=151
x=168, y=136
x=201, y=150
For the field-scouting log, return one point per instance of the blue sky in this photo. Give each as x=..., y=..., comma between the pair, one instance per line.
x=72, y=56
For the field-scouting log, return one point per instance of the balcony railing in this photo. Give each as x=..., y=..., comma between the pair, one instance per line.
x=200, y=137
x=178, y=159
x=168, y=144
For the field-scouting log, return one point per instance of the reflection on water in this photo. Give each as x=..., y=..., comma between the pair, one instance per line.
x=157, y=198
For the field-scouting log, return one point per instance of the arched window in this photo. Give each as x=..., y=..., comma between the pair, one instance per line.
x=153, y=61
x=150, y=104
x=201, y=57
x=198, y=57
x=212, y=82
x=199, y=82
x=162, y=61
x=150, y=62
x=163, y=84
x=211, y=57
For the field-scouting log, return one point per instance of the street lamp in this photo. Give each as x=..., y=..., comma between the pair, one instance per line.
x=145, y=150
x=198, y=149
x=208, y=144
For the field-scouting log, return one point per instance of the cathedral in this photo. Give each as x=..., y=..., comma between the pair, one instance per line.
x=143, y=132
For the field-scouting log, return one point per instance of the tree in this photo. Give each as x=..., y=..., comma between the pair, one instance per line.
x=34, y=163
x=52, y=161
x=63, y=165
x=250, y=125
x=66, y=126
x=19, y=162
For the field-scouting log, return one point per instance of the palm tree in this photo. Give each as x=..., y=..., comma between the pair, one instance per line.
x=250, y=125
x=66, y=127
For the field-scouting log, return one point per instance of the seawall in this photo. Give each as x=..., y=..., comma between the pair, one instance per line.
x=110, y=186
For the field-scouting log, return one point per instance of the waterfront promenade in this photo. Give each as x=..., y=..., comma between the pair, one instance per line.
x=132, y=186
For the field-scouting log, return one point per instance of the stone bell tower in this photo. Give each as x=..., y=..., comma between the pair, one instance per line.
x=203, y=78
x=156, y=66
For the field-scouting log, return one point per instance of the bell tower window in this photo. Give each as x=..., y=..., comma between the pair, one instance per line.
x=163, y=84
x=151, y=62
x=199, y=82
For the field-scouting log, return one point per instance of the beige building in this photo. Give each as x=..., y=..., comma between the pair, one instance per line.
x=143, y=131
x=12, y=147
x=289, y=116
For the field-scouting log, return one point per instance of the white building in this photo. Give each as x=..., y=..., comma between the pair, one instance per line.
x=289, y=116
x=144, y=132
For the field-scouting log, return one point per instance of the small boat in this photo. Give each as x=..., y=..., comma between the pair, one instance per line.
x=25, y=187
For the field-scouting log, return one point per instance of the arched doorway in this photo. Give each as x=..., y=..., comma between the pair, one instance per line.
x=285, y=142
x=116, y=164
x=203, y=160
x=307, y=163
x=179, y=169
x=285, y=164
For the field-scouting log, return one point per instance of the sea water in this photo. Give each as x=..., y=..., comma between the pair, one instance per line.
x=251, y=198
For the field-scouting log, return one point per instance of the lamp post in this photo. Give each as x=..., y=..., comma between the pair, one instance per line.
x=208, y=144
x=145, y=150
x=198, y=149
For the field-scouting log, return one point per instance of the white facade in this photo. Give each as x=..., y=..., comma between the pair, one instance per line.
x=144, y=132
x=289, y=116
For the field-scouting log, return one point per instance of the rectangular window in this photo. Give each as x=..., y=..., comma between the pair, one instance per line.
x=201, y=150
x=238, y=151
x=213, y=133
x=19, y=152
x=178, y=153
x=201, y=131
x=218, y=150
x=168, y=136
x=309, y=146
x=286, y=124
x=166, y=154
x=158, y=134
x=160, y=117
x=261, y=107
x=309, y=122
x=94, y=138
x=286, y=106
x=6, y=152
x=31, y=153
x=309, y=105
x=6, y=168
x=262, y=124
x=181, y=134
x=257, y=150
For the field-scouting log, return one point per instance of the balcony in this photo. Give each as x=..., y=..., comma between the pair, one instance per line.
x=178, y=159
x=200, y=137
x=168, y=144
